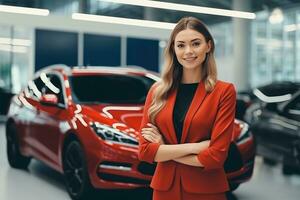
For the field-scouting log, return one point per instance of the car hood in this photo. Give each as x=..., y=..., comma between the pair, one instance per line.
x=129, y=118
x=122, y=117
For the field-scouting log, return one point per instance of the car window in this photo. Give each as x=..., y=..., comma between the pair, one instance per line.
x=54, y=86
x=295, y=103
x=121, y=89
x=293, y=108
x=34, y=88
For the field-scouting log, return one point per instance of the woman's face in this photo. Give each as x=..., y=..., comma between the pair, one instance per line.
x=191, y=48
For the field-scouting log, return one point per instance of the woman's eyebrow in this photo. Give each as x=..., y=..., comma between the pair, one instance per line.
x=191, y=40
x=195, y=39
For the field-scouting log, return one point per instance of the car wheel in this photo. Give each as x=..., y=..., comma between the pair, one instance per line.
x=233, y=186
x=14, y=156
x=75, y=172
x=269, y=162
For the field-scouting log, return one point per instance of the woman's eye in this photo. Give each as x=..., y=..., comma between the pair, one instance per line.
x=180, y=45
x=196, y=44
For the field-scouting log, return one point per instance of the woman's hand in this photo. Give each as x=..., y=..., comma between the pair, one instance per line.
x=152, y=134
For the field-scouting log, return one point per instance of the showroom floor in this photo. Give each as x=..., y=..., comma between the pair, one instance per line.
x=41, y=182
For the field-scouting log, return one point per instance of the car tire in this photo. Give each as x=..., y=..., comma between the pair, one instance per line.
x=269, y=162
x=14, y=156
x=233, y=186
x=75, y=172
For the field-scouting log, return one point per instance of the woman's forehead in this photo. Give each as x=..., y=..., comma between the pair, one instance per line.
x=188, y=35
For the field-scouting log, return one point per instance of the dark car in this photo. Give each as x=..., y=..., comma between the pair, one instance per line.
x=277, y=133
x=84, y=123
x=269, y=94
x=5, y=97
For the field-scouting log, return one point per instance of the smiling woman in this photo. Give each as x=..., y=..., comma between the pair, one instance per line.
x=188, y=119
x=191, y=50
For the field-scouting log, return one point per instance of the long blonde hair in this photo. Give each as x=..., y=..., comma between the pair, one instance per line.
x=172, y=70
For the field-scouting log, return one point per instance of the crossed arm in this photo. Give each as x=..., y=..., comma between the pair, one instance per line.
x=210, y=154
x=182, y=153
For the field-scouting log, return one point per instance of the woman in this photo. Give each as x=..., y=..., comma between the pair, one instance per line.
x=188, y=119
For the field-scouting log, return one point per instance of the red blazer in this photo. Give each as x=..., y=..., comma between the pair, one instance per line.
x=210, y=115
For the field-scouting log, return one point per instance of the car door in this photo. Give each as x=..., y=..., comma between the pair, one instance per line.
x=274, y=133
x=292, y=109
x=50, y=119
x=26, y=115
x=292, y=112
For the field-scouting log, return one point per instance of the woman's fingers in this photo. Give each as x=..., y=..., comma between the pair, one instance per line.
x=152, y=134
x=149, y=138
x=154, y=127
x=152, y=130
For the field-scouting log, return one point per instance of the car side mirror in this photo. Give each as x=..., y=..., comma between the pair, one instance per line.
x=49, y=100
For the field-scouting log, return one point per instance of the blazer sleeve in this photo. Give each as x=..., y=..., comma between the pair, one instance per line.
x=147, y=150
x=215, y=155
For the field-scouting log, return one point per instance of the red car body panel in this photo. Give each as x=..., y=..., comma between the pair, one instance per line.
x=43, y=130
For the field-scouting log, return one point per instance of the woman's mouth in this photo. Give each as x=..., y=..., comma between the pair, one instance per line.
x=190, y=59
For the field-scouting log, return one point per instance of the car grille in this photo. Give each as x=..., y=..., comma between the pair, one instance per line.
x=122, y=179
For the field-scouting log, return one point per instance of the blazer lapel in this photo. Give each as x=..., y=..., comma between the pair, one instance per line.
x=170, y=108
x=195, y=104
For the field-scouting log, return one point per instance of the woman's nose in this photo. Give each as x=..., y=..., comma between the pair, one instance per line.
x=188, y=49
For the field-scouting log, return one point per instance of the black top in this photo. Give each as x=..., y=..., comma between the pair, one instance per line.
x=185, y=94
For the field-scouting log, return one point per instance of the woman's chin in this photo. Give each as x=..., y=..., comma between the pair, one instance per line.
x=191, y=66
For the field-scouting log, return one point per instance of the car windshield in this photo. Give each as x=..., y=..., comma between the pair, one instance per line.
x=111, y=89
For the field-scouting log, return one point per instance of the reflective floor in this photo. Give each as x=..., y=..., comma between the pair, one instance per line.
x=41, y=182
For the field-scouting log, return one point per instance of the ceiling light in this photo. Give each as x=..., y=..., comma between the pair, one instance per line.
x=123, y=21
x=17, y=42
x=186, y=8
x=15, y=49
x=24, y=10
x=276, y=16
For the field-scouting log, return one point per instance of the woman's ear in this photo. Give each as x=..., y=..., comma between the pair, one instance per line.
x=208, y=46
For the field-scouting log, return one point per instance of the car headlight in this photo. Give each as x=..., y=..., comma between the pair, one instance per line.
x=245, y=133
x=112, y=135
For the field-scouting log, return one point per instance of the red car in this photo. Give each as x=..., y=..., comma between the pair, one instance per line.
x=84, y=122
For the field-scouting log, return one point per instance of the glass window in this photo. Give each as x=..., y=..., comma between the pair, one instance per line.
x=15, y=55
x=297, y=48
x=5, y=57
x=275, y=49
x=35, y=88
x=55, y=87
x=295, y=103
x=122, y=89
x=21, y=68
x=102, y=50
x=223, y=40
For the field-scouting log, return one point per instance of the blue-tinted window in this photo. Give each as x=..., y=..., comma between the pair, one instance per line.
x=102, y=50
x=143, y=53
x=53, y=47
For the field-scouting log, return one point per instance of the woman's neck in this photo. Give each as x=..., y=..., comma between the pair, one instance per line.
x=191, y=75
